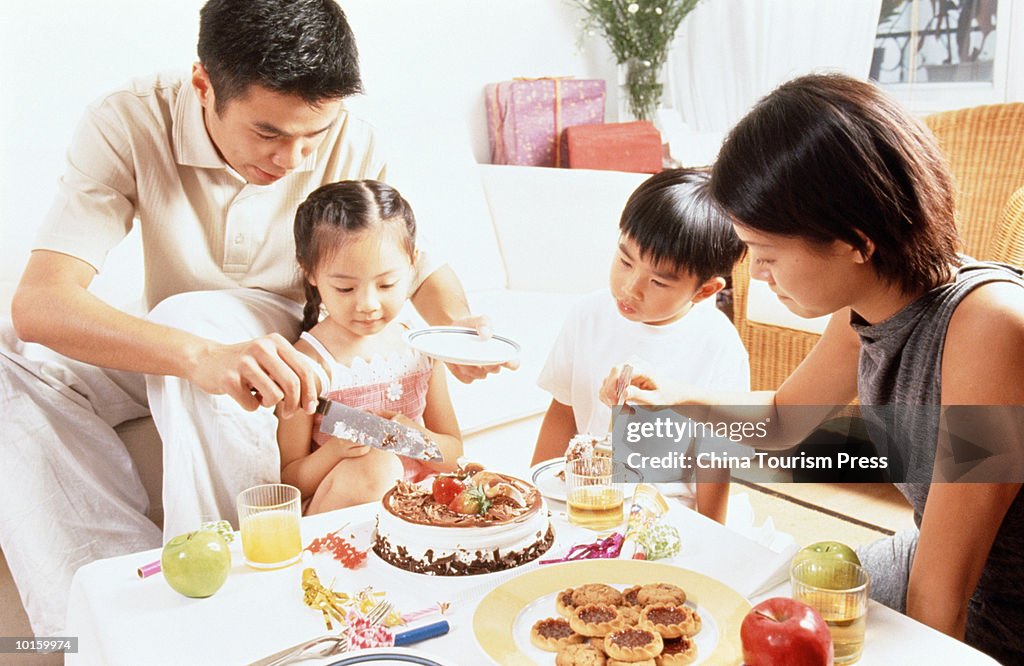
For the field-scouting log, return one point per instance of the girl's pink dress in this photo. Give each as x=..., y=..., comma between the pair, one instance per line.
x=395, y=382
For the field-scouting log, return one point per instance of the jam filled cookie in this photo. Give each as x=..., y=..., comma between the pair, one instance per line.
x=563, y=602
x=580, y=654
x=670, y=621
x=553, y=634
x=633, y=644
x=677, y=652
x=661, y=593
x=629, y=596
x=642, y=662
x=596, y=593
x=629, y=616
x=594, y=619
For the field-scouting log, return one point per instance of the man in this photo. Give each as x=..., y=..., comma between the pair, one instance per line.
x=212, y=168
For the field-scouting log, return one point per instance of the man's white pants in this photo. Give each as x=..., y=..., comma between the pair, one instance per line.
x=69, y=492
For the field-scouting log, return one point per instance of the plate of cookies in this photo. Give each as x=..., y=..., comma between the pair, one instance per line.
x=594, y=611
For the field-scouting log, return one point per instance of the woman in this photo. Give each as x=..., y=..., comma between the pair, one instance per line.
x=846, y=206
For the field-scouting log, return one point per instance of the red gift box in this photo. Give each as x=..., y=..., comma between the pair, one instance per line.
x=632, y=146
x=526, y=117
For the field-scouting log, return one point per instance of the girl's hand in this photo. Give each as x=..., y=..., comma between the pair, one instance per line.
x=399, y=418
x=643, y=389
x=346, y=448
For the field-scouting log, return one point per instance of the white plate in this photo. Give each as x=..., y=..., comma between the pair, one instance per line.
x=389, y=655
x=453, y=344
x=544, y=476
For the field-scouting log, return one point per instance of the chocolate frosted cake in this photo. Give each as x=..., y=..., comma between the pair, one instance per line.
x=464, y=524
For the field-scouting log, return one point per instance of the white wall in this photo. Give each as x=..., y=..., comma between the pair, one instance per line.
x=425, y=60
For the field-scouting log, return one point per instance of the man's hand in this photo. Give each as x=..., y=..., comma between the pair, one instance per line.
x=470, y=373
x=261, y=372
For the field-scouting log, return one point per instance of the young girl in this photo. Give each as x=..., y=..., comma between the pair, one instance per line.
x=355, y=244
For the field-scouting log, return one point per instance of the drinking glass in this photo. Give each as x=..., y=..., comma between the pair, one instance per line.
x=838, y=590
x=268, y=518
x=595, y=492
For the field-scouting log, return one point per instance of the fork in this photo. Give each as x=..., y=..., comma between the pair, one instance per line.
x=328, y=644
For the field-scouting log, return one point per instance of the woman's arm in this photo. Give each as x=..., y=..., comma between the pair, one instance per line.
x=826, y=379
x=957, y=531
x=961, y=520
x=558, y=427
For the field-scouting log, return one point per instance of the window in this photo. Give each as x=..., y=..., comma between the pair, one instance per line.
x=937, y=54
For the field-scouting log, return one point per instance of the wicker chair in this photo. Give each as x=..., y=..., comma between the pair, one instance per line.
x=984, y=148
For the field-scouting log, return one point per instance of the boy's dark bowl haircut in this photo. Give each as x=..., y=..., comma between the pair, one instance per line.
x=675, y=222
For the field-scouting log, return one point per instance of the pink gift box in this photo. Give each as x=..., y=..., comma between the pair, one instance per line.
x=526, y=117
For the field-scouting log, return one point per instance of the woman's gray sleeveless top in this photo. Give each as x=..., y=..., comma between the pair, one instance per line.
x=901, y=373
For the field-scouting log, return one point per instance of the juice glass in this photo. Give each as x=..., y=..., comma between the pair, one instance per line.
x=594, y=492
x=268, y=518
x=838, y=590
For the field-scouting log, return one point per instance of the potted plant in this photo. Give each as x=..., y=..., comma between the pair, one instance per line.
x=640, y=34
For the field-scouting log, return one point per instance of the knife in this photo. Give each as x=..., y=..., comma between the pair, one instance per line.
x=356, y=425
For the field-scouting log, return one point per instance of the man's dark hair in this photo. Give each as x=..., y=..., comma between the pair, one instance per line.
x=828, y=157
x=674, y=221
x=296, y=47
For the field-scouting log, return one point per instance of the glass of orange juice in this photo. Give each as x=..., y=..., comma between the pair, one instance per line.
x=594, y=492
x=268, y=518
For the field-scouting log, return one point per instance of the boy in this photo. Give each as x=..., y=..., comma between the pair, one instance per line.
x=675, y=249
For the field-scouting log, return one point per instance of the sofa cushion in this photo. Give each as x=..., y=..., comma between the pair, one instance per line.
x=557, y=228
x=533, y=319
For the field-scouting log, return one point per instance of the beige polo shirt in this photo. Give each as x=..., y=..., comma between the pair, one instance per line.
x=142, y=155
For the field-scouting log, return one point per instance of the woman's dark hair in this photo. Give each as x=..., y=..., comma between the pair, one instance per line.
x=827, y=157
x=296, y=47
x=330, y=215
x=674, y=221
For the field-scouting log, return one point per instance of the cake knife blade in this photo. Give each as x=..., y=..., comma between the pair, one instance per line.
x=362, y=427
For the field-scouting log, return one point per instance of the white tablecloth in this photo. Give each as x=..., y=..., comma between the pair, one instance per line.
x=120, y=619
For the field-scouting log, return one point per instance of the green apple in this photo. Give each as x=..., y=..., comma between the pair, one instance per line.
x=196, y=564
x=823, y=554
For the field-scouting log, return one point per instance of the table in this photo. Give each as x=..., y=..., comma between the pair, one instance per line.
x=120, y=619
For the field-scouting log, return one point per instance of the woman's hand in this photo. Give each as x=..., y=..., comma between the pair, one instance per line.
x=645, y=390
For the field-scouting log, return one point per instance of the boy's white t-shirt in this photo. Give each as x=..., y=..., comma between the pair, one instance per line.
x=702, y=348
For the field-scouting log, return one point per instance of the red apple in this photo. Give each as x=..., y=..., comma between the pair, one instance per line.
x=784, y=632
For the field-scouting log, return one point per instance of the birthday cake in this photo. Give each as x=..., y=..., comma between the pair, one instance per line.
x=471, y=522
